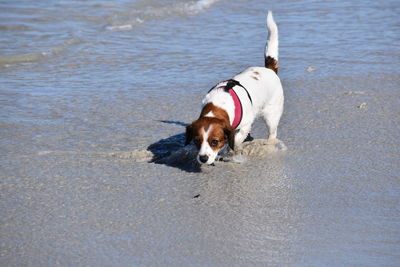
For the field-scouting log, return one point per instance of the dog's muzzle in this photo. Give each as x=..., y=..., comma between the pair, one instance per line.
x=203, y=158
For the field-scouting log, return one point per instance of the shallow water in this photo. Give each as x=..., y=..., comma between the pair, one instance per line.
x=92, y=90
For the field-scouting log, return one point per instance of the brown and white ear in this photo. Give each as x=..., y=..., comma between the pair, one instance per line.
x=189, y=134
x=230, y=136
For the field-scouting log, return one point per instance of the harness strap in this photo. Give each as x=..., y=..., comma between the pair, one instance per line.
x=238, y=108
x=232, y=83
x=236, y=100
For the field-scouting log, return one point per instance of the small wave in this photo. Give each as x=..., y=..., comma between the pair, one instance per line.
x=14, y=27
x=34, y=57
x=130, y=19
x=120, y=27
x=125, y=27
x=260, y=147
x=187, y=155
x=136, y=155
x=200, y=5
x=171, y=152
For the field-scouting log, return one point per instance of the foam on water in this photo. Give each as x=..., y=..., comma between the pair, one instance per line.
x=127, y=20
x=200, y=5
x=5, y=61
x=260, y=147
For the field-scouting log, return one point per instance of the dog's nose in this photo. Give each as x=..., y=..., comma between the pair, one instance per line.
x=203, y=158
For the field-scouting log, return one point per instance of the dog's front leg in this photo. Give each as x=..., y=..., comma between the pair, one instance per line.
x=241, y=135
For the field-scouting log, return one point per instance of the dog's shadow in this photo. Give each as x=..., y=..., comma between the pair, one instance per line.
x=172, y=152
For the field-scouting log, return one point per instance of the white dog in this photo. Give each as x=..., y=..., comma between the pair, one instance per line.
x=230, y=108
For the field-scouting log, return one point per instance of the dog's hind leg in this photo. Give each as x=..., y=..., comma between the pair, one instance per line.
x=272, y=115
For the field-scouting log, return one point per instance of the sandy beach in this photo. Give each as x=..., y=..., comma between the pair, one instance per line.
x=95, y=97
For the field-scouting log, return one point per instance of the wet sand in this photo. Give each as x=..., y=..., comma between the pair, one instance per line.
x=77, y=135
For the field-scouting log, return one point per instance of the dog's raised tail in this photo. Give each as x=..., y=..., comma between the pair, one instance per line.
x=271, y=48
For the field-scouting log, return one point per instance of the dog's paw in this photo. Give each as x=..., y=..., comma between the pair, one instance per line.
x=238, y=159
x=272, y=141
x=281, y=145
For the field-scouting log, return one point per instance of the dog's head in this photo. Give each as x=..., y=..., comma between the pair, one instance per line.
x=209, y=135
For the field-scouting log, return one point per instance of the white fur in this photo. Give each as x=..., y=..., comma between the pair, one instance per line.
x=272, y=44
x=221, y=99
x=265, y=89
x=209, y=114
x=205, y=149
x=267, y=96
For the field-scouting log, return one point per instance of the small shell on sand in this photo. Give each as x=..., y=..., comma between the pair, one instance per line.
x=362, y=106
x=354, y=93
x=311, y=69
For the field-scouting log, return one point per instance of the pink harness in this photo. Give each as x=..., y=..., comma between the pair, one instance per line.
x=238, y=107
x=236, y=100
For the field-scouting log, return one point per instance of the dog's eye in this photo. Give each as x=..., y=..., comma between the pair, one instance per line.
x=214, y=143
x=196, y=142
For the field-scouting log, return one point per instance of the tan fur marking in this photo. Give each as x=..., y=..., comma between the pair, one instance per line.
x=217, y=134
x=271, y=63
x=218, y=113
x=256, y=75
x=220, y=126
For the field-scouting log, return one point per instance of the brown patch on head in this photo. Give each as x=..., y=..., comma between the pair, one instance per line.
x=217, y=112
x=216, y=137
x=195, y=131
x=271, y=63
x=220, y=133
